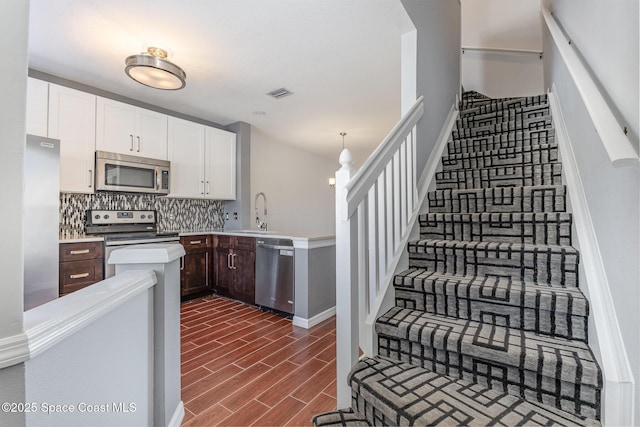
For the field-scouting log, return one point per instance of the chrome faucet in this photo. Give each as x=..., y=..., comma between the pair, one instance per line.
x=262, y=222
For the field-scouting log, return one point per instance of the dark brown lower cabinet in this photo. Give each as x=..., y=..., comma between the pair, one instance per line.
x=235, y=260
x=196, y=268
x=81, y=265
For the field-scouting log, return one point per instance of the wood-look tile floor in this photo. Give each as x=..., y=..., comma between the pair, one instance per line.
x=242, y=366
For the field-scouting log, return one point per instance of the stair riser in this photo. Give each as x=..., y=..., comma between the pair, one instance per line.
x=514, y=140
x=541, y=265
x=544, y=229
x=484, y=106
x=508, y=314
x=508, y=176
x=533, y=155
x=493, y=371
x=499, y=200
x=496, y=117
x=525, y=124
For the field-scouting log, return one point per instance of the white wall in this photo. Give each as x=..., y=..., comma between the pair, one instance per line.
x=612, y=194
x=14, y=19
x=438, y=45
x=296, y=183
x=510, y=24
x=98, y=371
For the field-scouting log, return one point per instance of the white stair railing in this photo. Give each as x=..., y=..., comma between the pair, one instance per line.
x=375, y=211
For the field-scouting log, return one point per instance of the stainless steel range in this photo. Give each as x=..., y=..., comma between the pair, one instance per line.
x=121, y=228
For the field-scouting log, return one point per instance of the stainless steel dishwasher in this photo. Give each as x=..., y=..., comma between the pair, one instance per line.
x=275, y=274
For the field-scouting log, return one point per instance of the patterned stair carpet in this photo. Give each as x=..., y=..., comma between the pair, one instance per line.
x=489, y=327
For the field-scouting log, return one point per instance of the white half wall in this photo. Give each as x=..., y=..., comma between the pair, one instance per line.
x=296, y=183
x=505, y=24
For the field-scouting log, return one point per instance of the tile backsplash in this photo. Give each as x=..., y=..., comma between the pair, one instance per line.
x=173, y=214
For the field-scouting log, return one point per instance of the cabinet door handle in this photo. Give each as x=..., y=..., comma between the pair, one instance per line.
x=229, y=261
x=195, y=242
x=79, y=252
x=208, y=189
x=206, y=269
x=138, y=150
x=234, y=261
x=90, y=178
x=78, y=276
x=202, y=182
x=131, y=149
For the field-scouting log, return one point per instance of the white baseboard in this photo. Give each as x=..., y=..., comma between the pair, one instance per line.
x=318, y=318
x=618, y=400
x=178, y=416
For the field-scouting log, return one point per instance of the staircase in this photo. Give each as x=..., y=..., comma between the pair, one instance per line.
x=489, y=326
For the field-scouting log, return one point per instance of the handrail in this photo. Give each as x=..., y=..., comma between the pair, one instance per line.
x=362, y=181
x=619, y=149
x=502, y=50
x=375, y=211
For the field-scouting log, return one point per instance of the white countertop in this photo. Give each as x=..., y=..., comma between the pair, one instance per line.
x=302, y=240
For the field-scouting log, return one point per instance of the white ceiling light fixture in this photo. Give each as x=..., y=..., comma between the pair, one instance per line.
x=152, y=69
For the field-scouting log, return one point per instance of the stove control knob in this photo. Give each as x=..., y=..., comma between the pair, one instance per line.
x=150, y=216
x=106, y=216
x=97, y=217
x=142, y=216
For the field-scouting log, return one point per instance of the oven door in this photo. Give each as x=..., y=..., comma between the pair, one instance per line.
x=129, y=175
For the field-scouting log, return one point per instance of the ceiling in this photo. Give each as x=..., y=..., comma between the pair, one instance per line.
x=340, y=58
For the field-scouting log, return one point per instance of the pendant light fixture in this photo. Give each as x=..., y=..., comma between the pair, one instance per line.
x=152, y=69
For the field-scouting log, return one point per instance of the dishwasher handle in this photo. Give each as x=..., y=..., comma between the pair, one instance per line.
x=267, y=246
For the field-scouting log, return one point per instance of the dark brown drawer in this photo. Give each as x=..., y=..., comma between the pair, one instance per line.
x=76, y=275
x=81, y=251
x=245, y=243
x=196, y=242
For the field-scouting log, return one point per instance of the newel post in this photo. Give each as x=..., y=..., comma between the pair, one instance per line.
x=346, y=284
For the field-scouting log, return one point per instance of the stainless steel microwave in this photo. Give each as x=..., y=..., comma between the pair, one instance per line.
x=132, y=174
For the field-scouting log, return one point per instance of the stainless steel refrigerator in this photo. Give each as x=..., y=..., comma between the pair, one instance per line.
x=41, y=223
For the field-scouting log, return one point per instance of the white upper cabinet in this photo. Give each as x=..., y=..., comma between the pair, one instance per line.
x=72, y=120
x=203, y=161
x=186, y=148
x=37, y=106
x=220, y=164
x=127, y=129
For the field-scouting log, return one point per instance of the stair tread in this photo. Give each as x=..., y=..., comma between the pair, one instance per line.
x=552, y=265
x=534, y=198
x=537, y=154
x=505, y=115
x=501, y=140
x=409, y=395
x=522, y=227
x=495, y=288
x=507, y=175
x=542, y=122
x=568, y=360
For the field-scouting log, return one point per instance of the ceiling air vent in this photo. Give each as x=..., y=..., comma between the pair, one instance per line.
x=280, y=93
